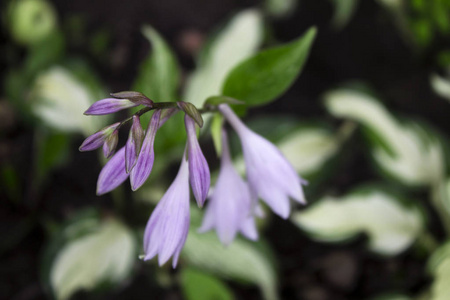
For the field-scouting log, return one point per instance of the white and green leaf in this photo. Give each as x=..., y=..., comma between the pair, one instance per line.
x=241, y=260
x=390, y=226
x=406, y=151
x=104, y=255
x=59, y=99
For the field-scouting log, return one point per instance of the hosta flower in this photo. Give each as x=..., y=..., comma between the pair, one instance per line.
x=109, y=106
x=229, y=208
x=134, y=144
x=114, y=172
x=199, y=175
x=121, y=100
x=271, y=177
x=98, y=139
x=168, y=226
x=144, y=164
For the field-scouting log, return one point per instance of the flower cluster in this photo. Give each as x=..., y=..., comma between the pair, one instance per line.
x=234, y=203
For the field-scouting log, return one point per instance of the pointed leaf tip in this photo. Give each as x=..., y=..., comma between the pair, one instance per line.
x=191, y=111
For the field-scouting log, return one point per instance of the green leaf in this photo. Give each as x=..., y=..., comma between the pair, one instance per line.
x=105, y=254
x=390, y=226
x=197, y=285
x=268, y=74
x=158, y=75
x=240, y=38
x=241, y=260
x=406, y=151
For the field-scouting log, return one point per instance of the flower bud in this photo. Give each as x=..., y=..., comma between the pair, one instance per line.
x=199, y=175
x=191, y=111
x=134, y=144
x=110, y=144
x=109, y=106
x=134, y=97
x=144, y=164
x=98, y=139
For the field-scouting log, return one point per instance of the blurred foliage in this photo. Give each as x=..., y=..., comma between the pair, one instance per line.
x=202, y=286
x=391, y=227
x=31, y=21
x=49, y=89
x=90, y=252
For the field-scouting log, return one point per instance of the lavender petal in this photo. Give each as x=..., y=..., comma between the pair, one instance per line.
x=168, y=226
x=108, y=106
x=113, y=173
x=97, y=139
x=144, y=164
x=199, y=175
x=134, y=144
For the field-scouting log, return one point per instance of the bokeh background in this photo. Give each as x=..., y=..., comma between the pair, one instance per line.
x=366, y=123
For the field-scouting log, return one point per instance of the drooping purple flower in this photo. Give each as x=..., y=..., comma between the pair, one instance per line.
x=199, y=175
x=134, y=144
x=168, y=226
x=144, y=164
x=113, y=173
x=270, y=175
x=98, y=139
x=109, y=106
x=229, y=209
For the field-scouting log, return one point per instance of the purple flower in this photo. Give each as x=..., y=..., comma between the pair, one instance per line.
x=168, y=226
x=109, y=106
x=144, y=164
x=271, y=177
x=98, y=139
x=198, y=166
x=113, y=173
x=229, y=209
x=134, y=144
